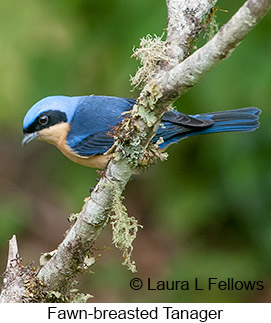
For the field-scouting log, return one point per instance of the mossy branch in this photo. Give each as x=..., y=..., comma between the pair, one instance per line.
x=124, y=230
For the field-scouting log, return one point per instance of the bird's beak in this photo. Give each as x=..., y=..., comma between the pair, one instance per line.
x=29, y=137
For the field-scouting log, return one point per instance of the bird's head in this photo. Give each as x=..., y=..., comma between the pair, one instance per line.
x=45, y=119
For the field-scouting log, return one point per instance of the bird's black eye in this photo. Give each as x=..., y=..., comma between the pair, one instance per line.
x=43, y=119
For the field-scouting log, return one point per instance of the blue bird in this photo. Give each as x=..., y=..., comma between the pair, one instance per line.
x=78, y=126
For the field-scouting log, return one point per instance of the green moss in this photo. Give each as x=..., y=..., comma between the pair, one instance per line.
x=124, y=230
x=210, y=24
x=151, y=53
x=133, y=139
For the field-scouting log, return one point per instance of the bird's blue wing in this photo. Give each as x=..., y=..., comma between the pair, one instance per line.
x=96, y=144
x=93, y=120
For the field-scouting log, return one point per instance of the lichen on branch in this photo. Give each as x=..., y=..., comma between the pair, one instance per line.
x=124, y=228
x=151, y=53
x=130, y=136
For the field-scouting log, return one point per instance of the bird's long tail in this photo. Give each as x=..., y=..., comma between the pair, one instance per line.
x=245, y=119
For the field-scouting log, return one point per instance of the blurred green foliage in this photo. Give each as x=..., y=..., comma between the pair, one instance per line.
x=206, y=211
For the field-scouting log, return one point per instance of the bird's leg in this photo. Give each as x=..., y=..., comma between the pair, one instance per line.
x=101, y=172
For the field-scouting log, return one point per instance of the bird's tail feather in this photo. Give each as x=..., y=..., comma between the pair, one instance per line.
x=245, y=119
